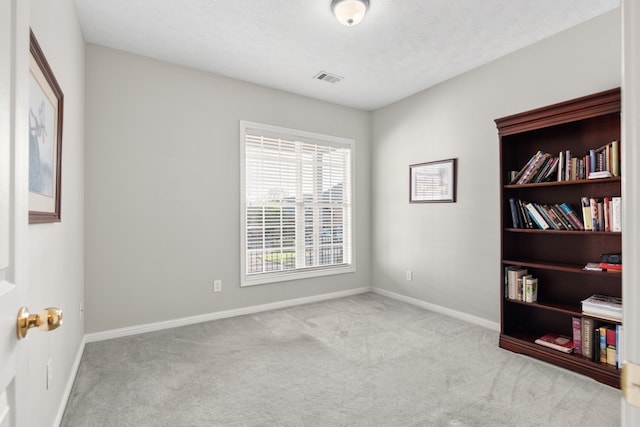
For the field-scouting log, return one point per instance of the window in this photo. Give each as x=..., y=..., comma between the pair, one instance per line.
x=297, y=210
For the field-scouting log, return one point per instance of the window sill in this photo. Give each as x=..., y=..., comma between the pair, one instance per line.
x=265, y=278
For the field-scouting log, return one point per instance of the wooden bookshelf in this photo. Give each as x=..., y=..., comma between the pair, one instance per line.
x=557, y=257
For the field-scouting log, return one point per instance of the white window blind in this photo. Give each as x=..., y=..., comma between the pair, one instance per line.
x=297, y=204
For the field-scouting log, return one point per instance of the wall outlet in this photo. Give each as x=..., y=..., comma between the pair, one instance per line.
x=217, y=285
x=409, y=275
x=49, y=383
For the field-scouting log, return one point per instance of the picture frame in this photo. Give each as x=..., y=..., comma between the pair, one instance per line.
x=46, y=102
x=433, y=182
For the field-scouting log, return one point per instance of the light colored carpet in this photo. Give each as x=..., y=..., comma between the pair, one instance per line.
x=359, y=361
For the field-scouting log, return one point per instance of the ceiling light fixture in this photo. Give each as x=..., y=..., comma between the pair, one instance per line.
x=349, y=12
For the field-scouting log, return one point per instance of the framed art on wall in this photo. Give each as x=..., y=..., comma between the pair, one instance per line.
x=433, y=182
x=45, y=138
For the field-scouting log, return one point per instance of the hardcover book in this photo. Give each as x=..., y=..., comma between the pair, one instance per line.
x=576, y=323
x=603, y=306
x=587, y=336
x=587, y=221
x=557, y=342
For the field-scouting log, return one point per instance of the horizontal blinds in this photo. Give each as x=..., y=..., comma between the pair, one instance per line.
x=297, y=203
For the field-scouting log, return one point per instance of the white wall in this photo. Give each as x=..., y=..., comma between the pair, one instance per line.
x=454, y=249
x=163, y=192
x=56, y=251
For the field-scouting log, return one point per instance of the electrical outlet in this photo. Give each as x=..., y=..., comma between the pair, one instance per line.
x=409, y=275
x=49, y=374
x=217, y=285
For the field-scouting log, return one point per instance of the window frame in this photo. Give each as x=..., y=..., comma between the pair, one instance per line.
x=297, y=273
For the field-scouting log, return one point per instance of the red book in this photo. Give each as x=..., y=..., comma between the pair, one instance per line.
x=611, y=337
x=577, y=334
x=557, y=342
x=610, y=267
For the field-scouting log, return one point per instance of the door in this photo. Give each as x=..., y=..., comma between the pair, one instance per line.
x=13, y=210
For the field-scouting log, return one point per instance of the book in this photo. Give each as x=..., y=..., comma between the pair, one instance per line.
x=561, y=166
x=619, y=351
x=588, y=326
x=587, y=222
x=514, y=213
x=536, y=217
x=558, y=215
x=600, y=174
x=592, y=266
x=576, y=323
x=530, y=285
x=512, y=277
x=571, y=215
x=557, y=342
x=603, y=344
x=539, y=159
x=610, y=267
x=611, y=346
x=615, y=158
x=616, y=213
x=595, y=345
x=546, y=214
x=603, y=306
x=593, y=209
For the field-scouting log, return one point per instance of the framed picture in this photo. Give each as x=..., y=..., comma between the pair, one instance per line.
x=433, y=182
x=45, y=138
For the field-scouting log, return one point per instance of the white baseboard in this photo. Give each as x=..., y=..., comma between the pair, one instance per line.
x=150, y=327
x=70, y=381
x=439, y=309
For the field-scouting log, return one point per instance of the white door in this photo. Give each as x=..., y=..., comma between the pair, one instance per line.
x=13, y=228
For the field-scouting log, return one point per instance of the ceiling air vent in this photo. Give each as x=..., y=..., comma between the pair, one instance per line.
x=328, y=77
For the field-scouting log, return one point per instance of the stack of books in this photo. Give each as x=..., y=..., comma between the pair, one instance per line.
x=520, y=285
x=611, y=262
x=603, y=306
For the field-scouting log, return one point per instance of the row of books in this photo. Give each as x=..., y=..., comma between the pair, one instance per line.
x=598, y=342
x=601, y=162
x=602, y=214
x=520, y=285
x=591, y=339
x=533, y=215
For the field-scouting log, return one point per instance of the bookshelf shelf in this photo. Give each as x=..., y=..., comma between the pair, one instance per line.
x=555, y=266
x=572, y=232
x=543, y=305
x=525, y=344
x=563, y=183
x=557, y=257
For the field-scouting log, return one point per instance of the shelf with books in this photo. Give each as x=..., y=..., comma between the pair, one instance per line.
x=556, y=253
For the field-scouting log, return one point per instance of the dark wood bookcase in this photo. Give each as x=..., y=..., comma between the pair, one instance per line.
x=557, y=257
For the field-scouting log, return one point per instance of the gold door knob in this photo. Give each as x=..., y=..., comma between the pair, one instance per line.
x=46, y=320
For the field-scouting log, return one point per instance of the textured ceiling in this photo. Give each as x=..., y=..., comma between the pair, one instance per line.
x=400, y=48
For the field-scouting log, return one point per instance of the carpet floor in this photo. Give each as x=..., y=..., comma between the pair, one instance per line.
x=364, y=360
